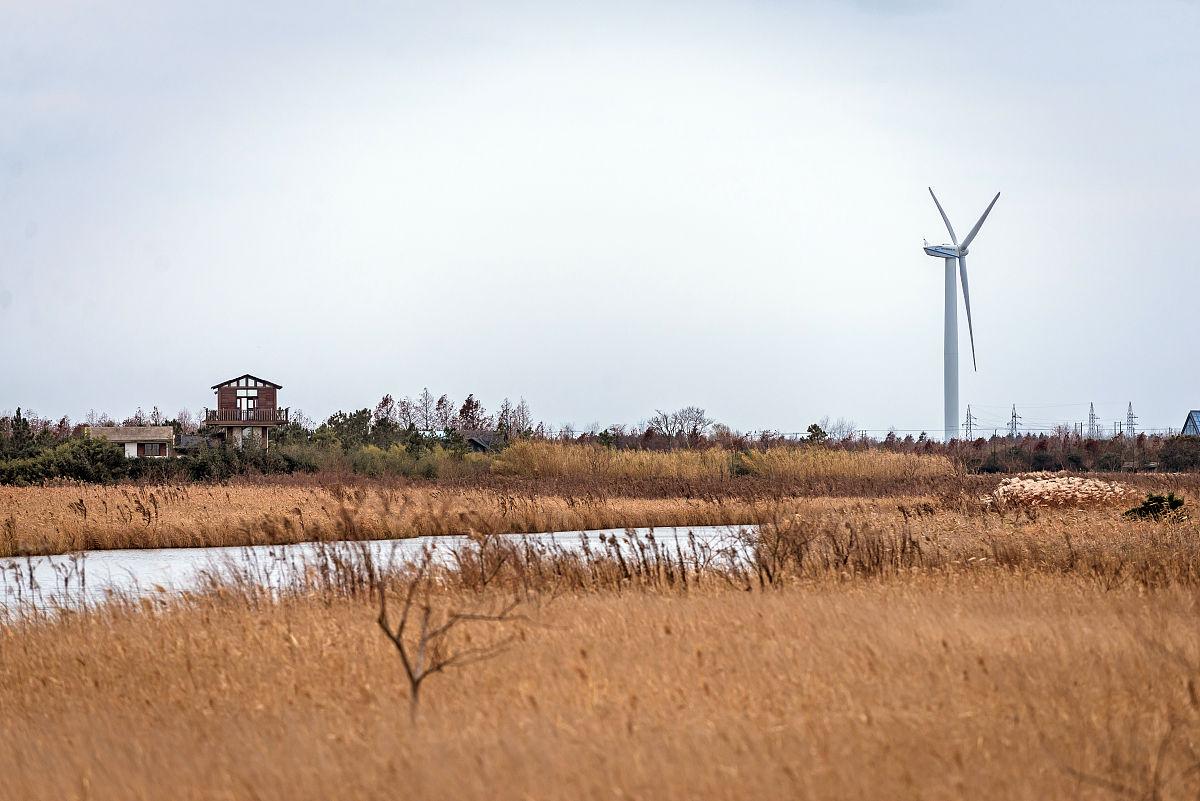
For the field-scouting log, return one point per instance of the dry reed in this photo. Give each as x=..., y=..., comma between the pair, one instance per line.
x=1036, y=490
x=982, y=685
x=549, y=459
x=788, y=463
x=829, y=464
x=911, y=648
x=42, y=520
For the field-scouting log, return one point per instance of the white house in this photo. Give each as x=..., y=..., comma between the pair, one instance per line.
x=155, y=442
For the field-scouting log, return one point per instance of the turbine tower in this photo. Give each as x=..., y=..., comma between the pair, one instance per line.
x=952, y=253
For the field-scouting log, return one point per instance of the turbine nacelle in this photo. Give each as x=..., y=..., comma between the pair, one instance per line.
x=944, y=251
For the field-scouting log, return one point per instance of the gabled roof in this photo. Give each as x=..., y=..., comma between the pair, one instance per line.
x=483, y=440
x=121, y=434
x=1191, y=426
x=247, y=375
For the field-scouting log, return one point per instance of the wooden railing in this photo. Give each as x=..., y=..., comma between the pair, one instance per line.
x=249, y=416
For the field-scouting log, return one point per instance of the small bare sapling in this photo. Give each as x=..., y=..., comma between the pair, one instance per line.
x=424, y=634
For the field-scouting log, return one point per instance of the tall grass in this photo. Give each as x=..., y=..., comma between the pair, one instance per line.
x=530, y=486
x=43, y=520
x=982, y=684
x=785, y=463
x=530, y=458
x=831, y=464
x=895, y=648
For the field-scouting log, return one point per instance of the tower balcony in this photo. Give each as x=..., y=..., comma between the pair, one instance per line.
x=244, y=417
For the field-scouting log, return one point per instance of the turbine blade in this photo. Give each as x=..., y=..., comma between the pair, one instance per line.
x=971, y=236
x=962, y=273
x=945, y=219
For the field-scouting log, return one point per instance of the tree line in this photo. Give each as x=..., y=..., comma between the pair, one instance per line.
x=428, y=435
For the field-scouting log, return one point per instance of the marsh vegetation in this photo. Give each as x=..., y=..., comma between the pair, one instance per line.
x=886, y=630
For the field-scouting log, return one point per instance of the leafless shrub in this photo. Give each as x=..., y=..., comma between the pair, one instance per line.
x=424, y=634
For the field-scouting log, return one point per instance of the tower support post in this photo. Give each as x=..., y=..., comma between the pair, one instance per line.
x=950, y=375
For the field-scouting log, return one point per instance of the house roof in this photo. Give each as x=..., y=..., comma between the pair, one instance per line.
x=1192, y=423
x=121, y=434
x=484, y=440
x=246, y=375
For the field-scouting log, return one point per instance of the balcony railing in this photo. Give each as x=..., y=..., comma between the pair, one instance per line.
x=246, y=416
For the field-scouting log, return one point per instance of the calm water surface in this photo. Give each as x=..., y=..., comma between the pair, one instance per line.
x=91, y=576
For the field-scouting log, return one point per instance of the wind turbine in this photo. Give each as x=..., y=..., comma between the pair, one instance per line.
x=956, y=252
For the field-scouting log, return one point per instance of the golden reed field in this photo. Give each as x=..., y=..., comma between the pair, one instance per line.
x=964, y=685
x=541, y=459
x=38, y=520
x=532, y=487
x=952, y=638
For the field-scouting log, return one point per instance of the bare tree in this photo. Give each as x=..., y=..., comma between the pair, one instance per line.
x=661, y=423
x=301, y=419
x=688, y=421
x=423, y=411
x=422, y=636
x=95, y=418
x=521, y=421
x=38, y=424
x=840, y=429
x=444, y=416
x=187, y=423
x=514, y=419
x=504, y=415
x=693, y=421
x=405, y=413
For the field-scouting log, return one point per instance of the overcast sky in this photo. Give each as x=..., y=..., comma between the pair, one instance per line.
x=606, y=208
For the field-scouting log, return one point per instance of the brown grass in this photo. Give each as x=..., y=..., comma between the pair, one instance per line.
x=41, y=520
x=859, y=648
x=957, y=521
x=533, y=458
x=931, y=646
x=531, y=486
x=981, y=684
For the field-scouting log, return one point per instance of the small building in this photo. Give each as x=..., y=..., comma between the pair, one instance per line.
x=247, y=406
x=483, y=441
x=186, y=443
x=1191, y=426
x=153, y=442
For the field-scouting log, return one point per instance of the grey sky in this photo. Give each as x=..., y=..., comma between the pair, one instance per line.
x=606, y=208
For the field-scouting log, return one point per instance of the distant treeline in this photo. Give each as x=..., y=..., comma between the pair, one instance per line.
x=432, y=437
